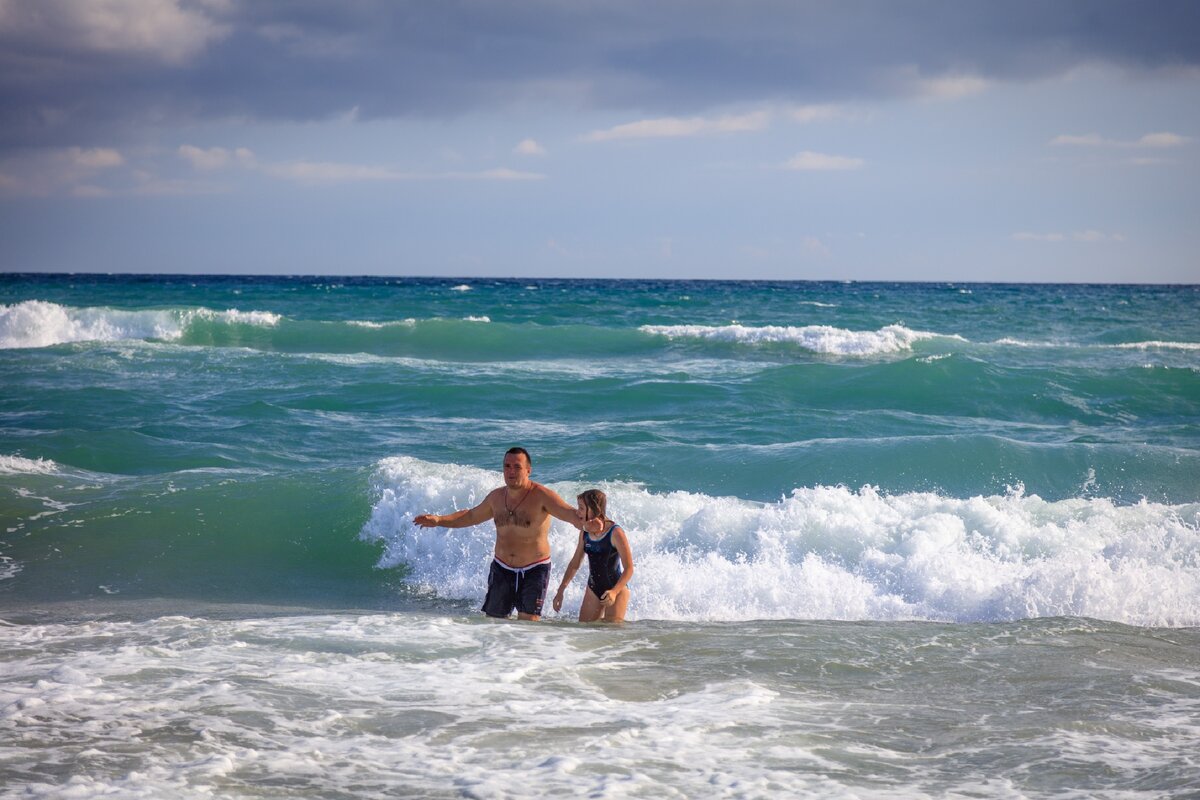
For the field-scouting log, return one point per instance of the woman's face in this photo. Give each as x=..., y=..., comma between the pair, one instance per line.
x=584, y=512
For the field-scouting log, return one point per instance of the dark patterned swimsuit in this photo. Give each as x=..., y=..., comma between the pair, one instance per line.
x=604, y=563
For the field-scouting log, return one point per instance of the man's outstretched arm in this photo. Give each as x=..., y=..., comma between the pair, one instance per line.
x=459, y=519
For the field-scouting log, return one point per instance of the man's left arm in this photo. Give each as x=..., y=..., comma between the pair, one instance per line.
x=557, y=507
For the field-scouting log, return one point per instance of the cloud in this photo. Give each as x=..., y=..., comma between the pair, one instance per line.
x=911, y=79
x=677, y=127
x=529, y=147
x=159, y=30
x=808, y=160
x=70, y=170
x=1091, y=236
x=90, y=71
x=93, y=157
x=1153, y=140
x=215, y=157
x=1162, y=140
x=817, y=113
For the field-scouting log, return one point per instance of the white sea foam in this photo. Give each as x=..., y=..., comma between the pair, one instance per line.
x=9, y=568
x=1157, y=345
x=37, y=323
x=17, y=465
x=1150, y=345
x=404, y=323
x=832, y=552
x=477, y=319
x=400, y=705
x=462, y=287
x=816, y=338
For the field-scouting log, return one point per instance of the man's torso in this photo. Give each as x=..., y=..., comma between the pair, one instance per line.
x=522, y=526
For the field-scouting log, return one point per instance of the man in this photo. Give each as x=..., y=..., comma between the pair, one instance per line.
x=521, y=509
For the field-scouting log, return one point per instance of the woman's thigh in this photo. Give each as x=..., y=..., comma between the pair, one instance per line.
x=616, y=612
x=591, y=608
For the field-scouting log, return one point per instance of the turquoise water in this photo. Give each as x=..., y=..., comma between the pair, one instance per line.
x=228, y=438
x=842, y=499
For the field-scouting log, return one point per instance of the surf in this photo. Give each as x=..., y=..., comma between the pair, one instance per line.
x=830, y=552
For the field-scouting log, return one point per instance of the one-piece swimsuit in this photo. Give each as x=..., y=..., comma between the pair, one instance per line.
x=604, y=563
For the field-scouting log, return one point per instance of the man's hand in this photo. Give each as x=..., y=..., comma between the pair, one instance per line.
x=593, y=525
x=428, y=521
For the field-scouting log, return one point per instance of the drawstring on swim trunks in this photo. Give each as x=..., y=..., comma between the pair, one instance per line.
x=521, y=570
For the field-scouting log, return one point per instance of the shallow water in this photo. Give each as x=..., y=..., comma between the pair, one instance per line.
x=421, y=704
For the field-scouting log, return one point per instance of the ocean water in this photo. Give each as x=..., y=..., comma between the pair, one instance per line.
x=892, y=540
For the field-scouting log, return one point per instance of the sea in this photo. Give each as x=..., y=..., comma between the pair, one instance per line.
x=890, y=540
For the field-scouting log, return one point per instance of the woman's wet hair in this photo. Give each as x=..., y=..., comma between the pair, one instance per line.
x=596, y=502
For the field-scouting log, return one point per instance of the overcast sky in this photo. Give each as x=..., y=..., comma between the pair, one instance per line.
x=956, y=140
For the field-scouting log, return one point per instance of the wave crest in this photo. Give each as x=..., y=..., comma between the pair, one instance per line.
x=823, y=339
x=18, y=465
x=831, y=552
x=38, y=323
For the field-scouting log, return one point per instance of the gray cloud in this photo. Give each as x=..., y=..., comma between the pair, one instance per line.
x=88, y=72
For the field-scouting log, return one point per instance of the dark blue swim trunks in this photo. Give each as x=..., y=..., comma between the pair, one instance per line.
x=522, y=588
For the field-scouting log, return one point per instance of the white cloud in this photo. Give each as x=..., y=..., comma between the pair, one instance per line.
x=946, y=86
x=1091, y=236
x=1097, y=236
x=951, y=87
x=808, y=160
x=94, y=157
x=1162, y=140
x=676, y=127
x=816, y=113
x=1156, y=140
x=215, y=157
x=529, y=147
x=164, y=30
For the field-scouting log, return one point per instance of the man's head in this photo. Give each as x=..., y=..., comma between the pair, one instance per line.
x=517, y=465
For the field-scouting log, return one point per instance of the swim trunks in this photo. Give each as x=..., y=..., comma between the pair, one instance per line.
x=523, y=588
x=604, y=566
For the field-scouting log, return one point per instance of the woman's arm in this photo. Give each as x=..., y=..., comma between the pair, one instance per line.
x=572, y=568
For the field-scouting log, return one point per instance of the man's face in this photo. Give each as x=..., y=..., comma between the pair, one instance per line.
x=516, y=470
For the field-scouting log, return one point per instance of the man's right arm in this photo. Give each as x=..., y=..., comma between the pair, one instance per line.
x=459, y=519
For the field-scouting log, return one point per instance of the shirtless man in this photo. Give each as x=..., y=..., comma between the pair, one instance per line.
x=521, y=510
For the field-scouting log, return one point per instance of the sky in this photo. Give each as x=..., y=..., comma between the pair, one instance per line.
x=913, y=141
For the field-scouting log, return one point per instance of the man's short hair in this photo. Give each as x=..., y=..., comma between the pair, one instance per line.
x=512, y=451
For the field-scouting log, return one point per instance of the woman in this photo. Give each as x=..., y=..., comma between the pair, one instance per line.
x=610, y=564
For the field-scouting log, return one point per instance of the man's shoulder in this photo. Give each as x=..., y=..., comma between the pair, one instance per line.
x=545, y=491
